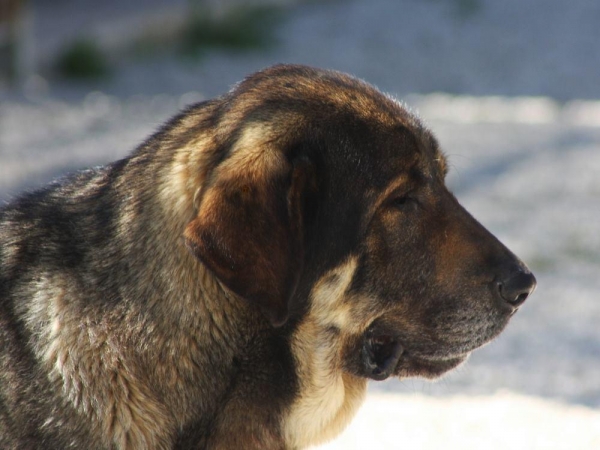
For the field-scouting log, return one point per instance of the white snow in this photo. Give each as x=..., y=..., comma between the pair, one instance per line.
x=503, y=421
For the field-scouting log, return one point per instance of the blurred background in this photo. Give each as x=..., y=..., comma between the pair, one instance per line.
x=511, y=88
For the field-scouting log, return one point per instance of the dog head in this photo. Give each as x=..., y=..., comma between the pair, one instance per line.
x=326, y=202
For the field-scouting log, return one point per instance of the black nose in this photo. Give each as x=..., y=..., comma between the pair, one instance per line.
x=516, y=287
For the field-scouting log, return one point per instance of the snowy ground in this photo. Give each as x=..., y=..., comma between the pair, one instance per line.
x=504, y=421
x=527, y=168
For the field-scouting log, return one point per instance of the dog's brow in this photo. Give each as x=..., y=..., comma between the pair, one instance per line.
x=393, y=186
x=442, y=162
x=438, y=155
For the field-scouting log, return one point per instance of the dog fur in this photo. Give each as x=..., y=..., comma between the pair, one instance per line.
x=237, y=279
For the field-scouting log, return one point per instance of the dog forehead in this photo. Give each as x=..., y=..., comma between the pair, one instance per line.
x=360, y=132
x=320, y=93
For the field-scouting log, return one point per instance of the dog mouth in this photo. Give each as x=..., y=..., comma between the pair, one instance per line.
x=384, y=355
x=381, y=355
x=428, y=368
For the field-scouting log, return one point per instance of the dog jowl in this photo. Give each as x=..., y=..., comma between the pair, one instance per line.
x=237, y=280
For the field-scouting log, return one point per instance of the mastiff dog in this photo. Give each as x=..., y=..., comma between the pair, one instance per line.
x=238, y=279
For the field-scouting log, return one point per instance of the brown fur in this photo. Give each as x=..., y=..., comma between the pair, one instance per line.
x=236, y=281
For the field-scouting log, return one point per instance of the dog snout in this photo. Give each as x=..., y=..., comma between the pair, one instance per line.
x=515, y=287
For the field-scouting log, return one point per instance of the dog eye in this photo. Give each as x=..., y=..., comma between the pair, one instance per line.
x=403, y=201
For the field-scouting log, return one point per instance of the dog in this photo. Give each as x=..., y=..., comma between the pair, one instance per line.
x=236, y=281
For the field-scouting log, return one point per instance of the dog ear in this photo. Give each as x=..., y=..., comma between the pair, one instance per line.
x=250, y=233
